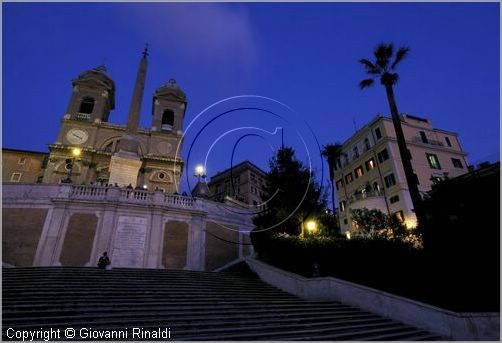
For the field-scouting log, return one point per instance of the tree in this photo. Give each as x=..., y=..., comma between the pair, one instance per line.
x=376, y=224
x=291, y=195
x=384, y=67
x=331, y=152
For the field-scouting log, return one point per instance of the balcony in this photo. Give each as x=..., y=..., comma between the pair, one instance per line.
x=429, y=141
x=365, y=195
x=82, y=116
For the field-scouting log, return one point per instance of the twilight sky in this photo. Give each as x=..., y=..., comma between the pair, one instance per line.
x=301, y=55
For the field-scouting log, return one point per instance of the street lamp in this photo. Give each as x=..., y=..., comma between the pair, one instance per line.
x=199, y=172
x=311, y=226
x=70, y=162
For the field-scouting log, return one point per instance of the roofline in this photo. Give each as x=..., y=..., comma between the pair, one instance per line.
x=25, y=151
x=251, y=164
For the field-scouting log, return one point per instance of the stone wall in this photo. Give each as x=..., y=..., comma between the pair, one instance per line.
x=21, y=230
x=78, y=241
x=54, y=225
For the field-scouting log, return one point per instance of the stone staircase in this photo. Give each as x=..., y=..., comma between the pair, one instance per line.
x=191, y=305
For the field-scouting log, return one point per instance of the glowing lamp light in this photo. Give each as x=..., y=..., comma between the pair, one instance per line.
x=199, y=169
x=347, y=234
x=76, y=152
x=410, y=223
x=311, y=226
x=145, y=186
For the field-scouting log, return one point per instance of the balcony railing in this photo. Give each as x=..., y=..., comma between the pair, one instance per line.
x=365, y=195
x=140, y=196
x=429, y=141
x=83, y=116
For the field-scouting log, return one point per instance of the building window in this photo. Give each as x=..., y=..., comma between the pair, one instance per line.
x=22, y=160
x=358, y=172
x=87, y=105
x=423, y=137
x=342, y=206
x=348, y=178
x=394, y=199
x=383, y=155
x=339, y=184
x=167, y=120
x=367, y=144
x=356, y=152
x=399, y=215
x=378, y=133
x=457, y=163
x=162, y=176
x=376, y=187
x=390, y=180
x=447, y=141
x=345, y=221
x=433, y=161
x=15, y=177
x=370, y=164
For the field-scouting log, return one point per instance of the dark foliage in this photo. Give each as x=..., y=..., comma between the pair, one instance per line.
x=292, y=195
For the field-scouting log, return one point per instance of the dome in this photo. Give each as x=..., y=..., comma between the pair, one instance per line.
x=171, y=91
x=100, y=74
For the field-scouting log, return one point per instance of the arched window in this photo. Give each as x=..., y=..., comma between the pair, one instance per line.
x=87, y=105
x=167, y=120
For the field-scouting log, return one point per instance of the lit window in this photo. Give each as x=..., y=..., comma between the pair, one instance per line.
x=447, y=141
x=378, y=133
x=433, y=161
x=370, y=164
x=390, y=180
x=339, y=184
x=348, y=178
x=383, y=155
x=15, y=177
x=399, y=216
x=22, y=160
x=358, y=172
x=457, y=163
x=376, y=187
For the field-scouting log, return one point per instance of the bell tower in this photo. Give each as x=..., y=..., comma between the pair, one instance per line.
x=93, y=96
x=168, y=110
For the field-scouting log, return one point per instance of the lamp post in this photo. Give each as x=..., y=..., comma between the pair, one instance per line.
x=75, y=152
x=199, y=172
x=310, y=225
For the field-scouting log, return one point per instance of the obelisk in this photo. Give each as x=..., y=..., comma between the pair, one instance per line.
x=126, y=163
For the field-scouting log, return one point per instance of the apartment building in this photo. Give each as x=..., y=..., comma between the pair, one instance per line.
x=369, y=172
x=247, y=186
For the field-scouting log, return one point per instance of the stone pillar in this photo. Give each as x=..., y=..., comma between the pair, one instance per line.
x=104, y=232
x=154, y=250
x=196, y=249
x=51, y=239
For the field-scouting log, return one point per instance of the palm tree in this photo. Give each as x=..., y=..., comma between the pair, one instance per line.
x=331, y=152
x=384, y=67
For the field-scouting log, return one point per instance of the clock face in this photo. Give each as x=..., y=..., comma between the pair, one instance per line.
x=77, y=136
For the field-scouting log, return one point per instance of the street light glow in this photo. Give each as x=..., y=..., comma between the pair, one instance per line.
x=199, y=169
x=76, y=152
x=311, y=226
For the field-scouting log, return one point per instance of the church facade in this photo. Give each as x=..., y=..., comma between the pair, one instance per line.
x=147, y=156
x=109, y=187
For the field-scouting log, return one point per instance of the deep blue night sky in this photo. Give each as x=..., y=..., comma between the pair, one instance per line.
x=303, y=55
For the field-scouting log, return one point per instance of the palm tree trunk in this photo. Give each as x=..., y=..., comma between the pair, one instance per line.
x=403, y=152
x=333, y=195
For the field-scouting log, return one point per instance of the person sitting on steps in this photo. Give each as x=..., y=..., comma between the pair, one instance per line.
x=104, y=261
